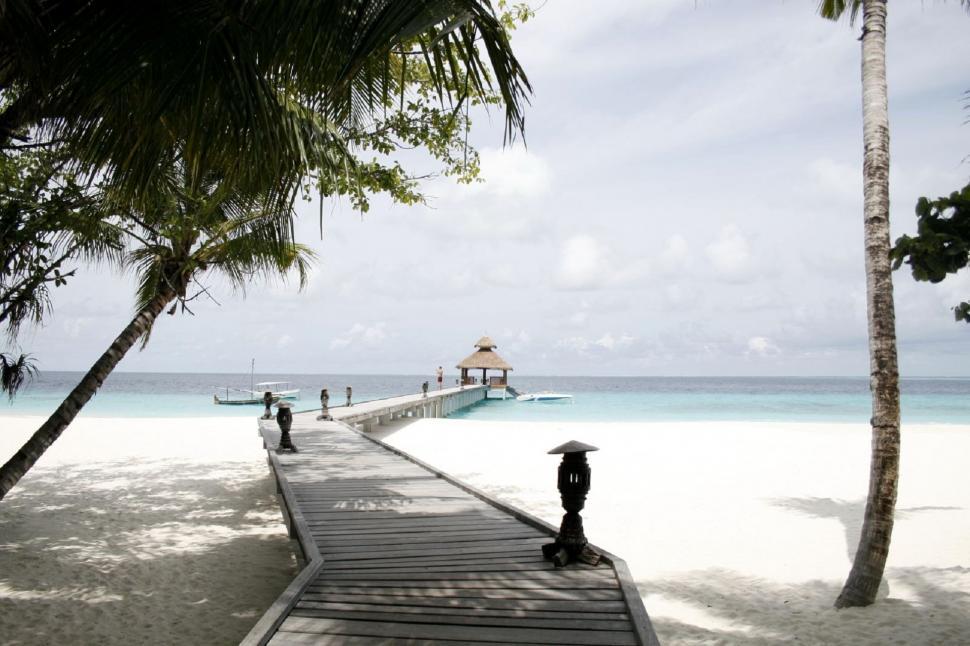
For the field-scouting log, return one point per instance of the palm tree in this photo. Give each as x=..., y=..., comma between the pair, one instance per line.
x=197, y=224
x=870, y=560
x=123, y=83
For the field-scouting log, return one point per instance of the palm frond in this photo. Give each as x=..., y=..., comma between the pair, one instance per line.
x=126, y=84
x=16, y=373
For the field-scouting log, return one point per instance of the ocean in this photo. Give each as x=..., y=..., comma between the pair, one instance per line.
x=607, y=399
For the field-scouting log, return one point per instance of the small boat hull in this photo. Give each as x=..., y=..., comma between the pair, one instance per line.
x=544, y=397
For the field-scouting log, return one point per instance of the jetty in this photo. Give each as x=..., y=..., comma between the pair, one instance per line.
x=397, y=552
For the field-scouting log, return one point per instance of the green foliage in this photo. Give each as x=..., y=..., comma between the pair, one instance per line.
x=15, y=373
x=229, y=82
x=49, y=221
x=835, y=9
x=197, y=224
x=942, y=243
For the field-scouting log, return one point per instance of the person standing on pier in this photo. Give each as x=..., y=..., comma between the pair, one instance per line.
x=441, y=377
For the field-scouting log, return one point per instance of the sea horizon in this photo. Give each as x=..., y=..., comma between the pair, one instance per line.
x=937, y=400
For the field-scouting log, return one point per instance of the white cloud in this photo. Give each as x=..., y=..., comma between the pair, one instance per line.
x=284, y=341
x=582, y=264
x=675, y=255
x=762, y=346
x=609, y=342
x=577, y=344
x=730, y=254
x=361, y=335
x=513, y=172
x=837, y=179
x=75, y=325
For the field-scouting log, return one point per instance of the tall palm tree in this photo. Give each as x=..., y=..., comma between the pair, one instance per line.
x=197, y=224
x=867, y=570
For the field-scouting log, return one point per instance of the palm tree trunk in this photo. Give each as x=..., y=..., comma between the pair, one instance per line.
x=870, y=560
x=40, y=441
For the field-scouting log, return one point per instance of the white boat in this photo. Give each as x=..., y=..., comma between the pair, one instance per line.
x=543, y=397
x=242, y=397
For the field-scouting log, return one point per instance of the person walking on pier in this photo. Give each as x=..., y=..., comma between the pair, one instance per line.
x=441, y=377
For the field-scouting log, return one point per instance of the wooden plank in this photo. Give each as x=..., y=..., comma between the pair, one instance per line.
x=430, y=562
x=323, y=626
x=503, y=603
x=534, y=576
x=417, y=538
x=516, y=611
x=528, y=554
x=504, y=583
x=305, y=639
x=559, y=623
x=446, y=546
x=458, y=591
x=457, y=566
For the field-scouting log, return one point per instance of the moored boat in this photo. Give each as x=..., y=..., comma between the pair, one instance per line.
x=544, y=397
x=242, y=397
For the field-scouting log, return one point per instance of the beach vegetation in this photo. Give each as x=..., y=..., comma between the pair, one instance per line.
x=50, y=220
x=101, y=95
x=941, y=245
x=869, y=563
x=194, y=225
x=15, y=372
x=200, y=123
x=122, y=84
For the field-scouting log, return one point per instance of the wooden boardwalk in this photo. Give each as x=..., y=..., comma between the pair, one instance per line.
x=398, y=553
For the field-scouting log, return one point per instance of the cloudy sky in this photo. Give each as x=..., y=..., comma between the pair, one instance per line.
x=689, y=204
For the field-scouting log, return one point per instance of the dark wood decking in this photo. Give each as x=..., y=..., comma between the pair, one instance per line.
x=400, y=554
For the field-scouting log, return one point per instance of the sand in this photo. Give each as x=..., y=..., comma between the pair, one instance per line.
x=743, y=533
x=167, y=531
x=140, y=531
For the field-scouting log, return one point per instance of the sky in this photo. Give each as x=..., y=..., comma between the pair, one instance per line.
x=689, y=202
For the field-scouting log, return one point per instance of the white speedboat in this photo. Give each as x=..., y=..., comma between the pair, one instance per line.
x=543, y=397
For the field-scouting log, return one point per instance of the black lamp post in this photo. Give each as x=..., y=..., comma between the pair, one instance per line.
x=350, y=391
x=324, y=405
x=574, y=481
x=284, y=417
x=424, y=389
x=267, y=402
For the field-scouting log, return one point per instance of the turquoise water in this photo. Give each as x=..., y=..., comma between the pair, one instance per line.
x=594, y=398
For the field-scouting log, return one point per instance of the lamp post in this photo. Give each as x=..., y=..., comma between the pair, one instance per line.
x=350, y=391
x=324, y=405
x=574, y=481
x=284, y=417
x=267, y=402
x=424, y=390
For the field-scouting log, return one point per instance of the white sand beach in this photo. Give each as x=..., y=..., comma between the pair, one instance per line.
x=743, y=533
x=140, y=531
x=167, y=531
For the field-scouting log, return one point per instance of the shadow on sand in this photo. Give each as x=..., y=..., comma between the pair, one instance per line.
x=730, y=608
x=140, y=551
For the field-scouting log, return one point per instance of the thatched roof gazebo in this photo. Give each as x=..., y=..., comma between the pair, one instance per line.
x=485, y=359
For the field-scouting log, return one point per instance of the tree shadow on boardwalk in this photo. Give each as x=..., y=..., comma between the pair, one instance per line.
x=140, y=551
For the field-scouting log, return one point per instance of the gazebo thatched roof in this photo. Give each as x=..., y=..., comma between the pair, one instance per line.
x=484, y=357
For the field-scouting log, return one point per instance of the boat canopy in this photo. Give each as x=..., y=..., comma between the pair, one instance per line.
x=272, y=383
